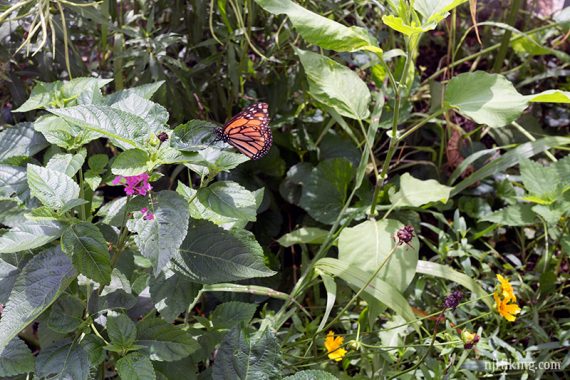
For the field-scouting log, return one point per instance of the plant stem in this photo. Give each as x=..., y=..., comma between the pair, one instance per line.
x=502, y=53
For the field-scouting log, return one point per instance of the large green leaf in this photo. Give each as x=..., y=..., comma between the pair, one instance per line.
x=311, y=374
x=16, y=359
x=321, y=31
x=29, y=235
x=435, y=10
x=66, y=314
x=130, y=163
x=378, y=289
x=163, y=341
x=335, y=85
x=145, y=91
x=20, y=140
x=242, y=356
x=68, y=164
x=232, y=313
x=486, y=98
x=303, y=235
x=63, y=134
x=193, y=136
x=160, y=238
x=210, y=254
x=367, y=245
x=448, y=273
x=87, y=247
x=172, y=293
x=519, y=214
x=509, y=159
x=325, y=191
x=63, y=360
x=155, y=115
x=125, y=130
x=541, y=181
x=135, y=366
x=38, y=285
x=399, y=25
x=415, y=192
x=122, y=331
x=229, y=199
x=53, y=188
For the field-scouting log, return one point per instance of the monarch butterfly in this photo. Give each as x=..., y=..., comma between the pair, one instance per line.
x=248, y=131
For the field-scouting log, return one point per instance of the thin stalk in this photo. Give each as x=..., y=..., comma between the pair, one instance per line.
x=502, y=53
x=65, y=38
x=532, y=138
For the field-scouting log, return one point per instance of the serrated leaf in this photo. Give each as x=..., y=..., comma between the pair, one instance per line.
x=63, y=134
x=29, y=235
x=229, y=314
x=14, y=184
x=242, y=356
x=20, y=140
x=87, y=247
x=160, y=238
x=486, y=98
x=539, y=180
x=93, y=346
x=153, y=113
x=130, y=162
x=335, y=85
x=325, y=191
x=51, y=187
x=172, y=293
x=229, y=199
x=145, y=91
x=163, y=341
x=37, y=286
x=66, y=315
x=235, y=255
x=415, y=192
x=68, y=164
x=311, y=374
x=16, y=359
x=193, y=136
x=303, y=235
x=63, y=359
x=135, y=366
x=321, y=31
x=122, y=331
x=8, y=275
x=520, y=214
x=125, y=130
x=42, y=95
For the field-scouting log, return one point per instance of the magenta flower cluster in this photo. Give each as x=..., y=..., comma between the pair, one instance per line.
x=134, y=185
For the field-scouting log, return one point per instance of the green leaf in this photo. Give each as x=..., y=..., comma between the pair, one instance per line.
x=324, y=193
x=145, y=91
x=8, y=274
x=232, y=313
x=435, y=10
x=509, y=159
x=415, y=192
x=29, y=236
x=212, y=161
x=235, y=254
x=486, y=98
x=193, y=136
x=540, y=180
x=20, y=140
x=311, y=374
x=54, y=189
x=14, y=184
x=63, y=134
x=171, y=294
x=160, y=238
x=116, y=295
x=303, y=235
x=16, y=359
x=367, y=245
x=163, y=341
x=42, y=95
x=84, y=90
x=68, y=164
x=94, y=348
x=229, y=199
x=87, y=247
x=321, y=31
x=153, y=113
x=63, y=359
x=550, y=96
x=38, y=285
x=135, y=366
x=242, y=356
x=447, y=273
x=130, y=162
x=380, y=290
x=125, y=130
x=122, y=331
x=335, y=85
x=519, y=214
x=399, y=25
x=66, y=315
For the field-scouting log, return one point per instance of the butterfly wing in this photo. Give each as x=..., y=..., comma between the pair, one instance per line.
x=249, y=131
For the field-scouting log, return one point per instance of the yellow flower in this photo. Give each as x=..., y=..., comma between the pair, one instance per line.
x=333, y=346
x=506, y=289
x=506, y=309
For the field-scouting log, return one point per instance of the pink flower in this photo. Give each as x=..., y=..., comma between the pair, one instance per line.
x=147, y=215
x=134, y=185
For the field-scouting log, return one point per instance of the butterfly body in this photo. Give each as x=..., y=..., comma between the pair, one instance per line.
x=248, y=131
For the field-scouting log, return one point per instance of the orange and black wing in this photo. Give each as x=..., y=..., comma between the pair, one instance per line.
x=249, y=131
